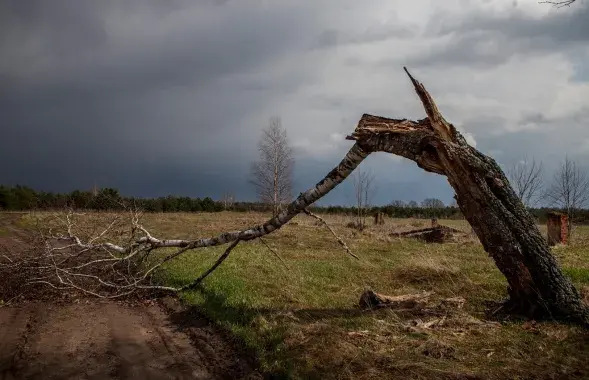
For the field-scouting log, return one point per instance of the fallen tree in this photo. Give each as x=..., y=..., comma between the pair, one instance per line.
x=537, y=286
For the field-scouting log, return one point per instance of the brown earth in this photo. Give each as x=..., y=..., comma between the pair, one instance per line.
x=113, y=340
x=53, y=337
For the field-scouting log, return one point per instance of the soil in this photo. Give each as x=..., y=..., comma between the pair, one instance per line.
x=64, y=338
x=111, y=340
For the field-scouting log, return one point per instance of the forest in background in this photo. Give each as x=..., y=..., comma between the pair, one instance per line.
x=23, y=198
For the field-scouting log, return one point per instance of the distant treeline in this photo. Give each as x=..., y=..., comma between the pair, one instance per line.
x=22, y=198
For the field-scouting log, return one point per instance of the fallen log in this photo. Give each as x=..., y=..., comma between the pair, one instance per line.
x=371, y=300
x=437, y=234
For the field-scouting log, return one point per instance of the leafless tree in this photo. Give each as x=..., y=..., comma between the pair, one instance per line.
x=364, y=190
x=432, y=203
x=526, y=179
x=228, y=199
x=272, y=174
x=569, y=189
x=398, y=203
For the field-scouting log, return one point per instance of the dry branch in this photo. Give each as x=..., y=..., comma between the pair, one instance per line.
x=339, y=240
x=272, y=250
x=559, y=4
x=220, y=260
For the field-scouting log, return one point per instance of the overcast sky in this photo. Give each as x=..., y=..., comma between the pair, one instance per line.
x=169, y=97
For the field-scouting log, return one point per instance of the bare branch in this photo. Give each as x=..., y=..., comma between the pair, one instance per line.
x=339, y=240
x=526, y=178
x=220, y=260
x=272, y=250
x=115, y=261
x=559, y=4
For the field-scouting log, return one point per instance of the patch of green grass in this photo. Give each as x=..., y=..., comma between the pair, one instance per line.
x=302, y=320
x=578, y=275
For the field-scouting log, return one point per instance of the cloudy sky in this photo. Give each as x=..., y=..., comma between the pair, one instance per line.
x=159, y=97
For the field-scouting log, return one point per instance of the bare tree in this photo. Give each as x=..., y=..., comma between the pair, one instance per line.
x=272, y=174
x=569, y=189
x=433, y=203
x=398, y=203
x=526, y=179
x=227, y=199
x=364, y=189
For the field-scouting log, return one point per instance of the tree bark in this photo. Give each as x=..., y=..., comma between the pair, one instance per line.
x=537, y=287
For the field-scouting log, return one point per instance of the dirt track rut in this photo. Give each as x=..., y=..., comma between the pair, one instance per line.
x=108, y=340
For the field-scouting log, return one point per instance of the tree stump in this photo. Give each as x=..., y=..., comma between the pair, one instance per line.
x=558, y=231
x=379, y=218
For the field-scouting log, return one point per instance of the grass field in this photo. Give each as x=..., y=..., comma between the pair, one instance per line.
x=298, y=313
x=301, y=317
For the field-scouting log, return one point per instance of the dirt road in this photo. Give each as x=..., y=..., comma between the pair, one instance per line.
x=58, y=338
x=107, y=340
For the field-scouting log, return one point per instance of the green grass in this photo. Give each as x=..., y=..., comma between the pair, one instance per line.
x=298, y=316
x=579, y=276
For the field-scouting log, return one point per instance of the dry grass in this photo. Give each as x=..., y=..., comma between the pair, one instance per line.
x=301, y=318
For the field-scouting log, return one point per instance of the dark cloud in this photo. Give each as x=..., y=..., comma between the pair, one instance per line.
x=135, y=94
x=490, y=39
x=157, y=97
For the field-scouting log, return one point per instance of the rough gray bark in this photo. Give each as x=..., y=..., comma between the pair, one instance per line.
x=537, y=286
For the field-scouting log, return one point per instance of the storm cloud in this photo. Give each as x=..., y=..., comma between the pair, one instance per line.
x=157, y=97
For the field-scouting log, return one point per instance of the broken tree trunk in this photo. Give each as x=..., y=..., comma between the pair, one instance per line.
x=537, y=286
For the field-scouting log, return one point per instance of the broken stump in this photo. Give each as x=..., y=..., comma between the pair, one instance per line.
x=558, y=231
x=379, y=218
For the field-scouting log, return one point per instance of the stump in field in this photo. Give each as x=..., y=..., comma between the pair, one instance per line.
x=379, y=218
x=558, y=231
